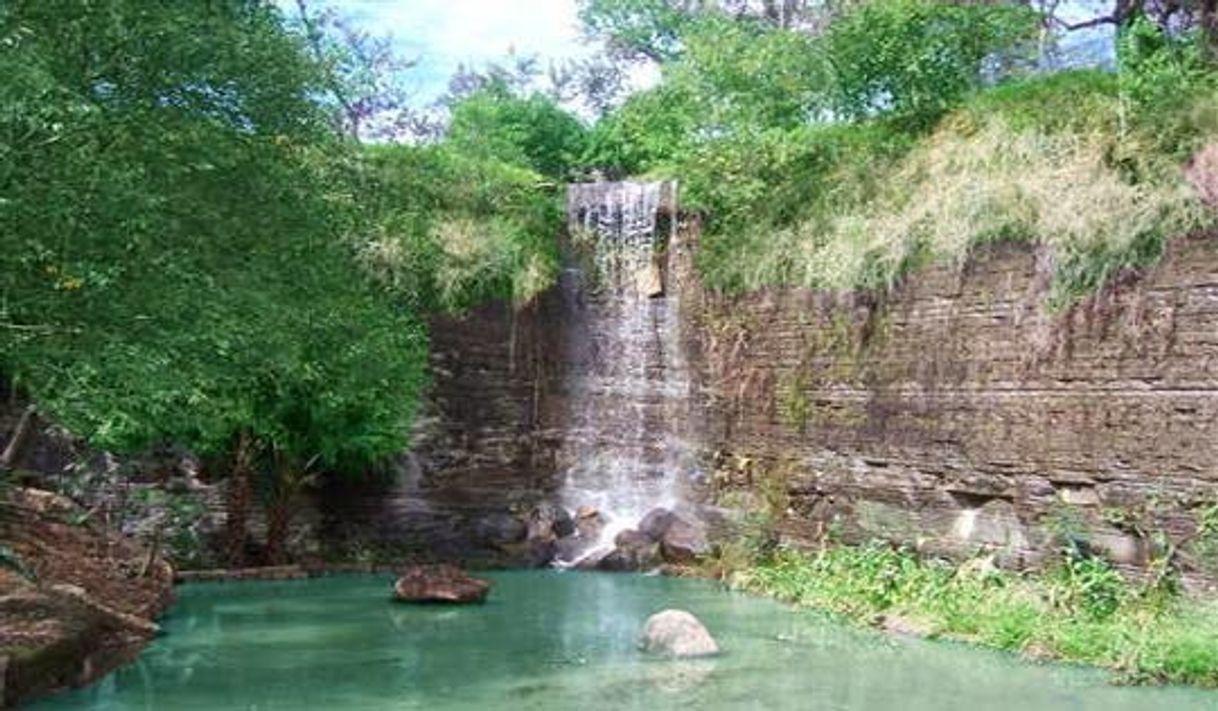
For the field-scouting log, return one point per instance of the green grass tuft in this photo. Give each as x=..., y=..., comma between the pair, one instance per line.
x=1082, y=611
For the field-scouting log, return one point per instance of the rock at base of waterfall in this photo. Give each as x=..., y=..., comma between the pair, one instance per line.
x=677, y=634
x=579, y=553
x=440, y=583
x=655, y=524
x=650, y=281
x=549, y=521
x=684, y=542
x=589, y=523
x=633, y=550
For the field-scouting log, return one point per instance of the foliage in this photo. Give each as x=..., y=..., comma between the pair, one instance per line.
x=1081, y=611
x=915, y=59
x=175, y=203
x=531, y=131
x=648, y=29
x=454, y=230
x=907, y=131
x=1053, y=160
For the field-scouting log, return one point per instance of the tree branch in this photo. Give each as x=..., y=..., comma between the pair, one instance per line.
x=20, y=434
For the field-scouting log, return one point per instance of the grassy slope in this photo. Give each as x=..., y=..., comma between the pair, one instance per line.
x=1082, y=611
x=1062, y=160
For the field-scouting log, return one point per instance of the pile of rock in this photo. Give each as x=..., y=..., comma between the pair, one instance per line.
x=549, y=534
x=662, y=536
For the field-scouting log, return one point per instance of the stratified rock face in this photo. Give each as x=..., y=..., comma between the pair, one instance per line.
x=958, y=413
x=955, y=412
x=440, y=583
x=76, y=601
x=677, y=634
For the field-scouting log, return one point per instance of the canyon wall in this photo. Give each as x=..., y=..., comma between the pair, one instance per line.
x=958, y=414
x=481, y=457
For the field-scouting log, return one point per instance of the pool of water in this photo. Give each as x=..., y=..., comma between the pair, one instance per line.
x=551, y=640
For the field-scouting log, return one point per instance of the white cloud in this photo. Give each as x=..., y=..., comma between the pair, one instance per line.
x=442, y=34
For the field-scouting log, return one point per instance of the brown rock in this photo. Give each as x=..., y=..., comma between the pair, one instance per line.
x=83, y=603
x=684, y=542
x=440, y=583
x=589, y=523
x=650, y=281
x=655, y=524
x=633, y=550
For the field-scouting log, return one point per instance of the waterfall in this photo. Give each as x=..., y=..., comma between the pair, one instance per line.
x=624, y=449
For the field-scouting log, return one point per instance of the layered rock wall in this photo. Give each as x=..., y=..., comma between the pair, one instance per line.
x=958, y=413
x=480, y=455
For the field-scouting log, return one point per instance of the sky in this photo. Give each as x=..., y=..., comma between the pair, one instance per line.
x=442, y=34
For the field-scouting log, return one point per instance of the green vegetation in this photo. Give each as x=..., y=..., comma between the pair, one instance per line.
x=907, y=132
x=1082, y=610
x=197, y=252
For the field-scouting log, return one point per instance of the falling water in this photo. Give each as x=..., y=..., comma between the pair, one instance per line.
x=624, y=448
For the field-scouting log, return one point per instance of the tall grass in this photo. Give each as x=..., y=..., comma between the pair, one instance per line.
x=1057, y=161
x=1080, y=611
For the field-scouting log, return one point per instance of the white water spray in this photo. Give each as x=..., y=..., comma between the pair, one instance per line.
x=624, y=450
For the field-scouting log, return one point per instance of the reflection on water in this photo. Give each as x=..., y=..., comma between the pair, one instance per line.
x=549, y=640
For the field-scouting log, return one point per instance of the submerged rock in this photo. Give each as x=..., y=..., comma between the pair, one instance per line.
x=677, y=634
x=440, y=583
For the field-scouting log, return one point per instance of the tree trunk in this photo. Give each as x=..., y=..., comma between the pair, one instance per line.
x=240, y=493
x=285, y=492
x=8, y=458
x=278, y=525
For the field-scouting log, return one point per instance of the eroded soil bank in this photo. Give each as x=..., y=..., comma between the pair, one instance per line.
x=76, y=600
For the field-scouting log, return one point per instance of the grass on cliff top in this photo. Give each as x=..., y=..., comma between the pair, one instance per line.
x=1066, y=161
x=1082, y=611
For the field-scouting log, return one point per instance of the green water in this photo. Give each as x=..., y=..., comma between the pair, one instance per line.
x=548, y=640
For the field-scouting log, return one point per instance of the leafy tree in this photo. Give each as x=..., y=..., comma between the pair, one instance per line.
x=914, y=58
x=530, y=131
x=639, y=29
x=175, y=210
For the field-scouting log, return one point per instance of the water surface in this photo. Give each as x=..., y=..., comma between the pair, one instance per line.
x=549, y=640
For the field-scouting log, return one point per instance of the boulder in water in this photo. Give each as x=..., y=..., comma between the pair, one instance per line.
x=677, y=634
x=684, y=542
x=440, y=583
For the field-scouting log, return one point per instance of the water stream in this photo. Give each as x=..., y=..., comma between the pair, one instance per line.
x=624, y=449
x=562, y=641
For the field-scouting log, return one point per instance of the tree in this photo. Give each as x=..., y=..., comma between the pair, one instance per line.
x=530, y=131
x=176, y=217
